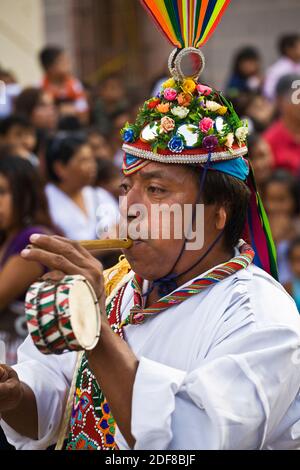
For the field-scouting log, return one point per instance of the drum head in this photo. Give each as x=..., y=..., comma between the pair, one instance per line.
x=84, y=314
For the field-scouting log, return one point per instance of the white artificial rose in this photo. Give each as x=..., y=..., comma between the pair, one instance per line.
x=241, y=133
x=212, y=106
x=180, y=111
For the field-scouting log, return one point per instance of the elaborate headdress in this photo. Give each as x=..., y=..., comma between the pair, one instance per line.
x=192, y=123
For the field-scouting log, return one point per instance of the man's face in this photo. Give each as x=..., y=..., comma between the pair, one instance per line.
x=155, y=185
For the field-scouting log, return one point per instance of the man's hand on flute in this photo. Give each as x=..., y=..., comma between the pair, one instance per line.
x=112, y=361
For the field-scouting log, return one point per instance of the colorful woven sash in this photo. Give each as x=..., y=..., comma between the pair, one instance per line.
x=138, y=314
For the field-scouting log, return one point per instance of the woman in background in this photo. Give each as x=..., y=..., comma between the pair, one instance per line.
x=81, y=211
x=23, y=211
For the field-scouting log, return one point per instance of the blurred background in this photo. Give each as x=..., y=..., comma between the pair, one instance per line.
x=75, y=71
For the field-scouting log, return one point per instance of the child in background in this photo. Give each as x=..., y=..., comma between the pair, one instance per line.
x=60, y=83
x=18, y=134
x=293, y=287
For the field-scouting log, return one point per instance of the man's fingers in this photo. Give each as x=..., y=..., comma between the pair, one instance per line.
x=53, y=276
x=58, y=245
x=55, y=262
x=3, y=374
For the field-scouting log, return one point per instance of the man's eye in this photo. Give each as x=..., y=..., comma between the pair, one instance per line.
x=156, y=190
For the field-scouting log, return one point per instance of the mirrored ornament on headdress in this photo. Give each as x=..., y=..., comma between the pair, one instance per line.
x=186, y=63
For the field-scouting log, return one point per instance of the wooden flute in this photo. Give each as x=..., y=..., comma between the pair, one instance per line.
x=109, y=244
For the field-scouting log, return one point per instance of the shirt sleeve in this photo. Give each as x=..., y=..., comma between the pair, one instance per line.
x=49, y=377
x=233, y=399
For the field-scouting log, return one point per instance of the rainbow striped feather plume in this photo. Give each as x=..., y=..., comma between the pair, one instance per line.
x=186, y=23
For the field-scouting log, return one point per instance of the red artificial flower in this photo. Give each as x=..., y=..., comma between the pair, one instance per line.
x=153, y=103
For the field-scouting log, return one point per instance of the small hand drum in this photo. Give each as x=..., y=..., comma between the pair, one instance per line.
x=64, y=316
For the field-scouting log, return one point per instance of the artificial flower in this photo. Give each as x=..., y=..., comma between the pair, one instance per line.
x=153, y=103
x=229, y=140
x=184, y=99
x=206, y=124
x=188, y=86
x=167, y=124
x=176, y=144
x=213, y=106
x=241, y=133
x=210, y=142
x=170, y=94
x=128, y=135
x=180, y=111
x=169, y=83
x=204, y=90
x=163, y=108
x=222, y=110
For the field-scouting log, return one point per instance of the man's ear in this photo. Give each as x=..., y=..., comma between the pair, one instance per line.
x=221, y=218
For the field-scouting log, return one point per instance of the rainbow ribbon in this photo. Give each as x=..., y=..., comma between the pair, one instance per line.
x=186, y=23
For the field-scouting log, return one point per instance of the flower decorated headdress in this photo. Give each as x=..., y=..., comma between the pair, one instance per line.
x=189, y=122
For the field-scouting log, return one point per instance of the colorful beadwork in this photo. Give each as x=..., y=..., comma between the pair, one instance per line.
x=92, y=426
x=138, y=314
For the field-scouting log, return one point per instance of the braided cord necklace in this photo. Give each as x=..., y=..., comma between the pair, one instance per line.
x=139, y=315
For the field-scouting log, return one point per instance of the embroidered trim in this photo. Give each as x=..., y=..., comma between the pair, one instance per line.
x=171, y=158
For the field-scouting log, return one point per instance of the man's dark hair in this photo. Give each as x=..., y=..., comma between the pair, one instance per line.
x=49, y=55
x=287, y=42
x=62, y=148
x=11, y=121
x=230, y=192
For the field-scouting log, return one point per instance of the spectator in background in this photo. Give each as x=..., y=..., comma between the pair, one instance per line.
x=60, y=83
x=282, y=203
x=23, y=212
x=108, y=177
x=246, y=72
x=81, y=211
x=256, y=108
x=99, y=145
x=284, y=135
x=288, y=63
x=293, y=287
x=18, y=134
x=38, y=107
x=260, y=156
x=111, y=100
x=118, y=122
x=12, y=90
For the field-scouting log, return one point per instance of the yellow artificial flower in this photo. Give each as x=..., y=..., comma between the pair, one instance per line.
x=222, y=110
x=189, y=86
x=169, y=83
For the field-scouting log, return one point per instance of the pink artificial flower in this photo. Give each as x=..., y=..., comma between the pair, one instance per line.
x=170, y=94
x=204, y=90
x=206, y=124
